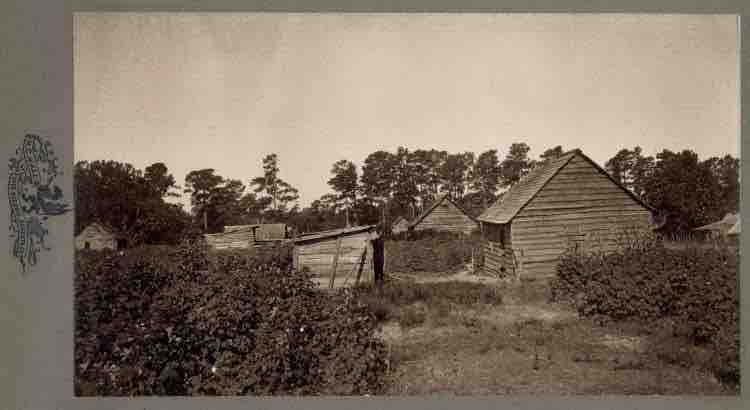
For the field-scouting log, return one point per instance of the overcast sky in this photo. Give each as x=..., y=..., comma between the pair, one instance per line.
x=223, y=90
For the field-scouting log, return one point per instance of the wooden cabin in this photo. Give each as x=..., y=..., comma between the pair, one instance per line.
x=719, y=228
x=233, y=237
x=343, y=254
x=446, y=216
x=98, y=236
x=399, y=225
x=568, y=201
x=246, y=236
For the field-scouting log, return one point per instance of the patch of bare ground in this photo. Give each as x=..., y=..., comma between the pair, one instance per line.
x=524, y=346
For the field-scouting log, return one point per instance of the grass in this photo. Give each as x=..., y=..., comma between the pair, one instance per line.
x=446, y=339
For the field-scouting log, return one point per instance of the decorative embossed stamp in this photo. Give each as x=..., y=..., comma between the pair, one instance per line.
x=33, y=197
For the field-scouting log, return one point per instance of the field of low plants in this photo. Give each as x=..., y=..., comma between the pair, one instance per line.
x=690, y=295
x=181, y=321
x=428, y=252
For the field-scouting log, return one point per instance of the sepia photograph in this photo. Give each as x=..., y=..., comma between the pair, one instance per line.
x=413, y=204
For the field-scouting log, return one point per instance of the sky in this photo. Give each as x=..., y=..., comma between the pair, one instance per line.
x=223, y=90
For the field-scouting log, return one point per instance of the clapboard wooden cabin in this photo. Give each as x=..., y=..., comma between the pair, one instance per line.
x=246, y=236
x=444, y=215
x=567, y=201
x=400, y=225
x=344, y=253
x=97, y=236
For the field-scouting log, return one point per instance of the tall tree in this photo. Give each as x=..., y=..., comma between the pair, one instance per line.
x=727, y=172
x=279, y=191
x=215, y=200
x=454, y=174
x=252, y=207
x=684, y=189
x=124, y=198
x=485, y=177
x=515, y=165
x=425, y=165
x=377, y=178
x=405, y=190
x=551, y=153
x=345, y=183
x=631, y=168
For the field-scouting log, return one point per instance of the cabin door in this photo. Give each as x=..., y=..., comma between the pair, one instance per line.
x=378, y=258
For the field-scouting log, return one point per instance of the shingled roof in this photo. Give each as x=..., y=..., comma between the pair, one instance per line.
x=520, y=194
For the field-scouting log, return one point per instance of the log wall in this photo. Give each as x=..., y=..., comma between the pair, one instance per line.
x=498, y=261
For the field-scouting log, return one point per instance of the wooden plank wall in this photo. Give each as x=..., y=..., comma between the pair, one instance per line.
x=578, y=202
x=233, y=240
x=318, y=256
x=447, y=217
x=498, y=261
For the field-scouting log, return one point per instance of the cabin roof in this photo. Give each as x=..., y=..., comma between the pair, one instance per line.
x=434, y=205
x=736, y=228
x=729, y=221
x=102, y=227
x=399, y=219
x=520, y=194
x=240, y=228
x=332, y=233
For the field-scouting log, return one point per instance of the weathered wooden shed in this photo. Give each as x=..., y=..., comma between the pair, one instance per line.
x=99, y=236
x=343, y=253
x=566, y=201
x=400, y=225
x=722, y=227
x=246, y=236
x=446, y=216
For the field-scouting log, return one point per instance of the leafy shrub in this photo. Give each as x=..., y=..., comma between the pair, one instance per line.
x=435, y=253
x=179, y=321
x=696, y=288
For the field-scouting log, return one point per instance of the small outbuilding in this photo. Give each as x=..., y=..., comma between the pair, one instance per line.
x=399, y=225
x=444, y=215
x=568, y=201
x=98, y=236
x=722, y=227
x=735, y=230
x=346, y=255
x=246, y=236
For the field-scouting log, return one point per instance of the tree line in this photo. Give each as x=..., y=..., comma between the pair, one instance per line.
x=685, y=190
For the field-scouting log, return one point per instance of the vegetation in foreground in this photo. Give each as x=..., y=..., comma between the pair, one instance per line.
x=516, y=342
x=177, y=321
x=184, y=321
x=691, y=295
x=429, y=252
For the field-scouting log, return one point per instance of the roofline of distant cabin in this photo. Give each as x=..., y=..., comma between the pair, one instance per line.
x=573, y=151
x=576, y=151
x=434, y=205
x=332, y=233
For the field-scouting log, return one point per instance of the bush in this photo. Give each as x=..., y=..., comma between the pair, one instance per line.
x=429, y=252
x=697, y=288
x=179, y=321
